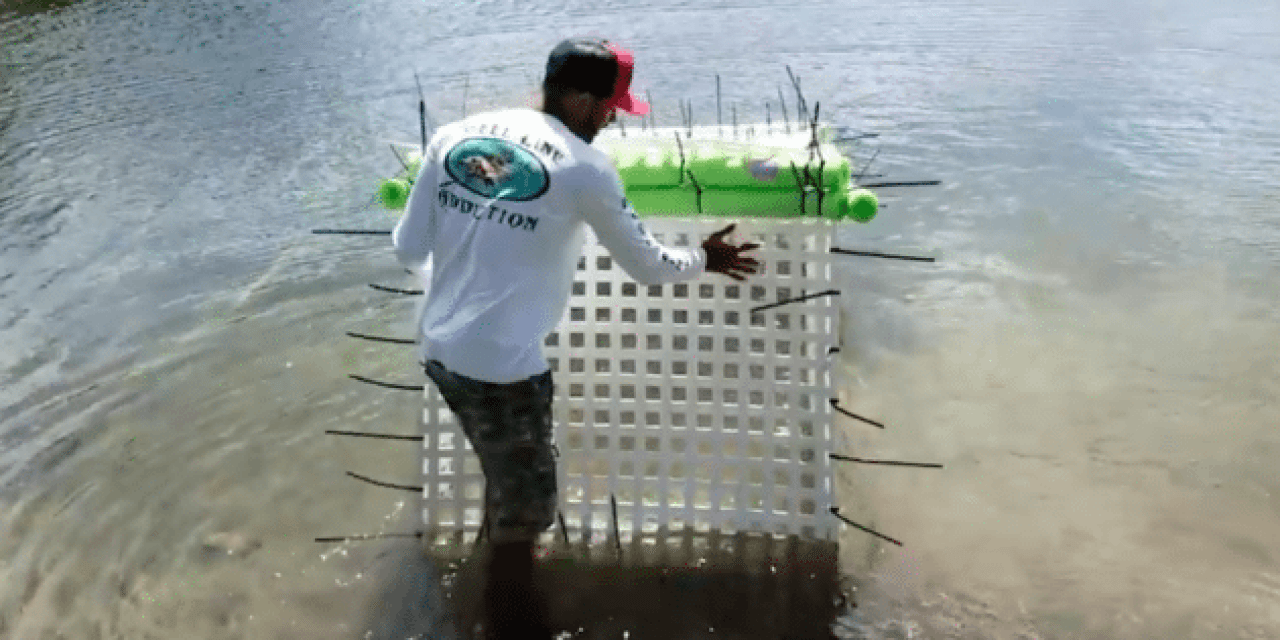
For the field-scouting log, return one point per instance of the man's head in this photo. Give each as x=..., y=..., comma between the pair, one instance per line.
x=587, y=81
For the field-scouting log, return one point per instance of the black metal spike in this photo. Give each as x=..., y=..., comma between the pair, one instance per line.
x=388, y=385
x=400, y=158
x=719, y=119
x=365, y=336
x=828, y=292
x=836, y=404
x=867, y=166
x=835, y=511
x=876, y=254
x=783, y=101
x=351, y=232
x=894, y=463
x=407, y=292
x=387, y=485
x=378, y=436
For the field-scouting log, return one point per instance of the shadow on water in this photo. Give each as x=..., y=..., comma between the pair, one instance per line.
x=591, y=594
x=694, y=586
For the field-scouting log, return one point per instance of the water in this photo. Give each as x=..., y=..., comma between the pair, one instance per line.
x=1093, y=359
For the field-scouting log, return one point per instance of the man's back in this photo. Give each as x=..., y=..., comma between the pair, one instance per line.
x=500, y=207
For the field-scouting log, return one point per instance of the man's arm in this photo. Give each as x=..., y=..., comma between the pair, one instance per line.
x=415, y=235
x=605, y=208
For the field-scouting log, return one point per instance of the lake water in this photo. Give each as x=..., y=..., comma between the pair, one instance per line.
x=1094, y=358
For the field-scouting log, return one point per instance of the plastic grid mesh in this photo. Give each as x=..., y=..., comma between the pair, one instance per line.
x=676, y=399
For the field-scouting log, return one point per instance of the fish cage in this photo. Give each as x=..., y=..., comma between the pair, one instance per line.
x=692, y=421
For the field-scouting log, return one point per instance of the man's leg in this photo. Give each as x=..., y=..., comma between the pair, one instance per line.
x=509, y=427
x=521, y=498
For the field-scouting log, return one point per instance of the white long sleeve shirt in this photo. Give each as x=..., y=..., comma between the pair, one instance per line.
x=498, y=209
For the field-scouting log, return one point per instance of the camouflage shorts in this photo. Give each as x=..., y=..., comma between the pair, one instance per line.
x=509, y=426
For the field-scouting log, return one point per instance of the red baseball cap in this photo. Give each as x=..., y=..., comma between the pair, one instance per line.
x=598, y=67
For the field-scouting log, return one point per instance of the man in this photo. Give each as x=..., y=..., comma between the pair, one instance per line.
x=499, y=206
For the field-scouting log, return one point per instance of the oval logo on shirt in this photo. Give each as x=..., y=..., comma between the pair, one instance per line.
x=497, y=169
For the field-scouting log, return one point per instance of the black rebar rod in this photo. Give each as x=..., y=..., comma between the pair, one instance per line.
x=867, y=166
x=822, y=162
x=370, y=536
x=387, y=485
x=876, y=254
x=836, y=404
x=423, y=99
x=690, y=110
x=378, y=436
x=422, y=125
x=813, y=126
x=564, y=531
x=422, y=113
x=828, y=292
x=792, y=76
x=653, y=123
x=835, y=511
x=768, y=116
x=400, y=158
x=617, y=537
x=800, y=105
x=800, y=185
x=407, y=292
x=365, y=336
x=697, y=189
x=719, y=116
x=680, y=147
x=913, y=183
x=804, y=104
x=895, y=463
x=822, y=166
x=832, y=350
x=785, y=118
x=388, y=385
x=351, y=232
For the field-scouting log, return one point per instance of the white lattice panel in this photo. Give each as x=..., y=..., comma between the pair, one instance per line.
x=678, y=400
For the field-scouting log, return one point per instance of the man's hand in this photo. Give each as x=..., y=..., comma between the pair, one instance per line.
x=724, y=258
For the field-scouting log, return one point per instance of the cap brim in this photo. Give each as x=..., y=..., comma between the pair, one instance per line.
x=631, y=105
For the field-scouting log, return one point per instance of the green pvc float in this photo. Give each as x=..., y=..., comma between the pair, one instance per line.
x=678, y=172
